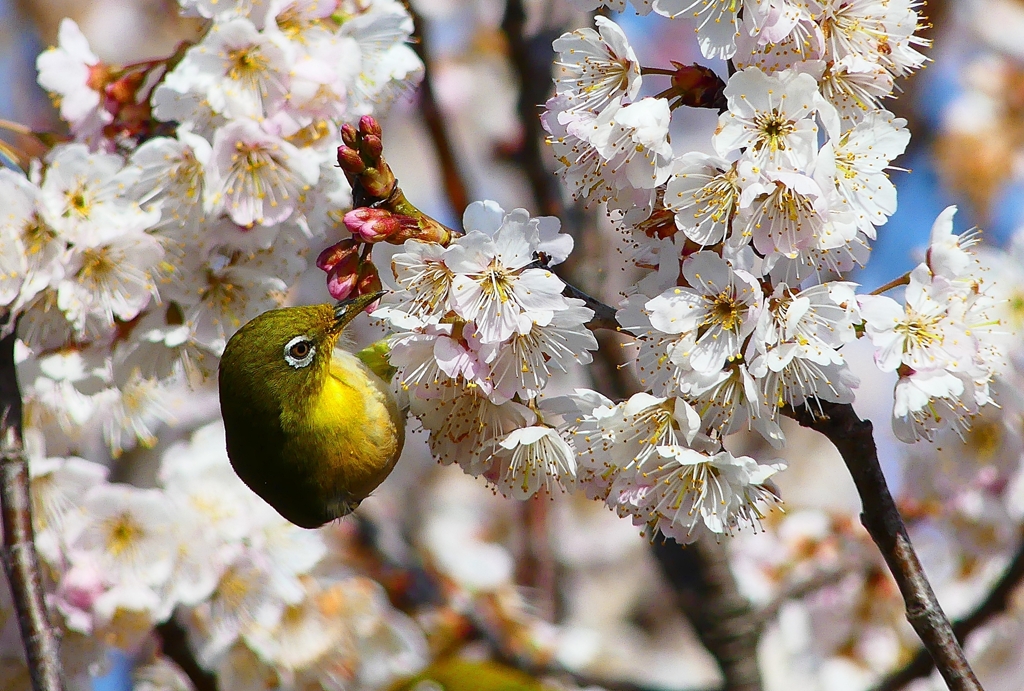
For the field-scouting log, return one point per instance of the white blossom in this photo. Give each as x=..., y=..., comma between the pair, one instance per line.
x=923, y=334
x=879, y=30
x=772, y=117
x=129, y=532
x=721, y=305
x=85, y=196
x=718, y=21
x=533, y=458
x=624, y=438
x=244, y=73
x=856, y=163
x=855, y=86
x=704, y=192
x=113, y=279
x=257, y=177
x=524, y=364
x=493, y=285
x=595, y=68
x=74, y=74
x=173, y=175
x=691, y=492
x=465, y=426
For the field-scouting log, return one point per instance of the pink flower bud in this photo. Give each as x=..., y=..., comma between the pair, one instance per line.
x=343, y=277
x=367, y=283
x=368, y=125
x=350, y=160
x=349, y=136
x=335, y=254
x=372, y=225
x=373, y=147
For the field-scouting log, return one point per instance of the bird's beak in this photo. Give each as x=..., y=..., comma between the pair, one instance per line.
x=347, y=310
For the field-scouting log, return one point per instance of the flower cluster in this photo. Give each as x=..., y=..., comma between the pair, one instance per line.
x=647, y=459
x=483, y=325
x=183, y=206
x=746, y=309
x=253, y=591
x=944, y=341
x=147, y=262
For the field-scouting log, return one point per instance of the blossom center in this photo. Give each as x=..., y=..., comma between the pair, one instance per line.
x=723, y=310
x=97, y=264
x=497, y=282
x=292, y=24
x=78, y=202
x=717, y=199
x=246, y=66
x=122, y=534
x=921, y=331
x=773, y=128
x=36, y=235
x=233, y=589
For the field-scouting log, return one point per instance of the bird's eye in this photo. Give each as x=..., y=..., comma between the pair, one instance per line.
x=299, y=352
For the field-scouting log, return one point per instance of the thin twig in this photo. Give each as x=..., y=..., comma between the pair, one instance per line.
x=21, y=563
x=996, y=601
x=604, y=315
x=454, y=184
x=531, y=61
x=853, y=438
x=822, y=578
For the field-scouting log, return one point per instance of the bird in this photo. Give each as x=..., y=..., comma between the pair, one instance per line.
x=309, y=426
x=455, y=674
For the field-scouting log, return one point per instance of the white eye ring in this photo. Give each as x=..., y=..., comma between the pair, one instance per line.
x=294, y=355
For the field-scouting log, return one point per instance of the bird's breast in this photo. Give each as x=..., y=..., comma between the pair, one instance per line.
x=356, y=424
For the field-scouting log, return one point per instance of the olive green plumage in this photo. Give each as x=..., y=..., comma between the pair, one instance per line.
x=310, y=428
x=456, y=674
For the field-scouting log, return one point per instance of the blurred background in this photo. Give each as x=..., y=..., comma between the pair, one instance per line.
x=560, y=587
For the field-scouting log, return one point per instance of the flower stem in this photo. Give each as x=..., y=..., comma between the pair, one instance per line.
x=894, y=283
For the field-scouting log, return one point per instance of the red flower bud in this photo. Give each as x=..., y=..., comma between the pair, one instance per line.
x=372, y=225
x=335, y=254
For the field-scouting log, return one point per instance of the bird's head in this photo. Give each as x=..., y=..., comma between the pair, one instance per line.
x=285, y=354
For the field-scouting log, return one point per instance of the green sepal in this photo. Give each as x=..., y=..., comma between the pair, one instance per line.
x=375, y=356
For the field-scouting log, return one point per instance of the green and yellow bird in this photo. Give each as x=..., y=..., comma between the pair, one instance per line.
x=310, y=427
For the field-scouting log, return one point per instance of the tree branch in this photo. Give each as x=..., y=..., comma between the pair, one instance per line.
x=174, y=644
x=454, y=184
x=21, y=563
x=531, y=61
x=853, y=438
x=996, y=601
x=722, y=617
